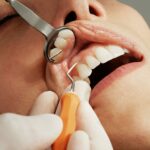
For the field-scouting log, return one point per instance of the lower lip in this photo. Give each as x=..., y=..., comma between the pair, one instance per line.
x=114, y=76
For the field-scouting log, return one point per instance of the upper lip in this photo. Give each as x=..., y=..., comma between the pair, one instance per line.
x=91, y=32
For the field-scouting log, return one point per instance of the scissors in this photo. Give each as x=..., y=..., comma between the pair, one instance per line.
x=41, y=25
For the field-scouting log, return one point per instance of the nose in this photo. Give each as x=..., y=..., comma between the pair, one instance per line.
x=71, y=10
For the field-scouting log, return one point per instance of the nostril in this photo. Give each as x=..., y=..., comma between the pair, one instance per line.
x=70, y=17
x=93, y=11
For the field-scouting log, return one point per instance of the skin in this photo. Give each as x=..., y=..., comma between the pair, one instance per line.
x=123, y=107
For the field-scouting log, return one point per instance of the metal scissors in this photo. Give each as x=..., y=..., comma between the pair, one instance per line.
x=41, y=25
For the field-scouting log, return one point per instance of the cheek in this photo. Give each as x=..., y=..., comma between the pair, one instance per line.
x=128, y=18
x=128, y=92
x=125, y=105
x=19, y=40
x=22, y=67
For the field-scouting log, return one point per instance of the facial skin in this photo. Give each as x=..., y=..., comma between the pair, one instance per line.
x=123, y=106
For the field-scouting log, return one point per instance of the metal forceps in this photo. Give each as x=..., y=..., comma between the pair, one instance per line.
x=41, y=25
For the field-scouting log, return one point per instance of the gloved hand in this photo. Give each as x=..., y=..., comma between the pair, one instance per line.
x=91, y=134
x=36, y=132
x=39, y=132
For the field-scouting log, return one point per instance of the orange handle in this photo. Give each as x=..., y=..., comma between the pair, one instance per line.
x=69, y=105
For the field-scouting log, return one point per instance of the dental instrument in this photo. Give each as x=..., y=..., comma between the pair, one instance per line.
x=69, y=105
x=41, y=25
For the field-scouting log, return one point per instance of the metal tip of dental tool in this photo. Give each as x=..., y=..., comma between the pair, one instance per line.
x=52, y=58
x=70, y=78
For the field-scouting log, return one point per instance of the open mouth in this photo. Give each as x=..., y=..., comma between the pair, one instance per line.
x=109, y=53
x=102, y=56
x=105, y=63
x=103, y=70
x=97, y=62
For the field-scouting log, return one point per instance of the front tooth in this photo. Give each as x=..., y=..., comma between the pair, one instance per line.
x=92, y=62
x=103, y=55
x=125, y=50
x=84, y=71
x=115, y=50
x=55, y=52
x=87, y=80
x=65, y=34
x=60, y=43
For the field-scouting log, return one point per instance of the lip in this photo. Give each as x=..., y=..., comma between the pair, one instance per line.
x=114, y=76
x=89, y=32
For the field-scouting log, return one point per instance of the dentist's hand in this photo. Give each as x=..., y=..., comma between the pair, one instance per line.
x=91, y=134
x=36, y=132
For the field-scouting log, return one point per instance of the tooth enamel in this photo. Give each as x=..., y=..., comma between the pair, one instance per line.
x=125, y=50
x=55, y=51
x=84, y=71
x=87, y=80
x=103, y=55
x=65, y=34
x=92, y=62
x=115, y=50
x=60, y=43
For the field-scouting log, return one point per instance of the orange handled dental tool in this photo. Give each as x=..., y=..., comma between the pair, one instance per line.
x=69, y=105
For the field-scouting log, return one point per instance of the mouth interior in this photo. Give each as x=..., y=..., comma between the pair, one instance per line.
x=105, y=69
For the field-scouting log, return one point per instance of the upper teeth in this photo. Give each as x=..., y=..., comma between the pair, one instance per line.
x=115, y=50
x=65, y=34
x=83, y=70
x=92, y=62
x=61, y=43
x=101, y=55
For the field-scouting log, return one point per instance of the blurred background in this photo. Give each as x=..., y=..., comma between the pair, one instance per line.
x=143, y=6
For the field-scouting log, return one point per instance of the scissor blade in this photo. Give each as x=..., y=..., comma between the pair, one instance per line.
x=31, y=18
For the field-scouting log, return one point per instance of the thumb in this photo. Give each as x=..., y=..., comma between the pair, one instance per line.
x=95, y=130
x=29, y=132
x=45, y=103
